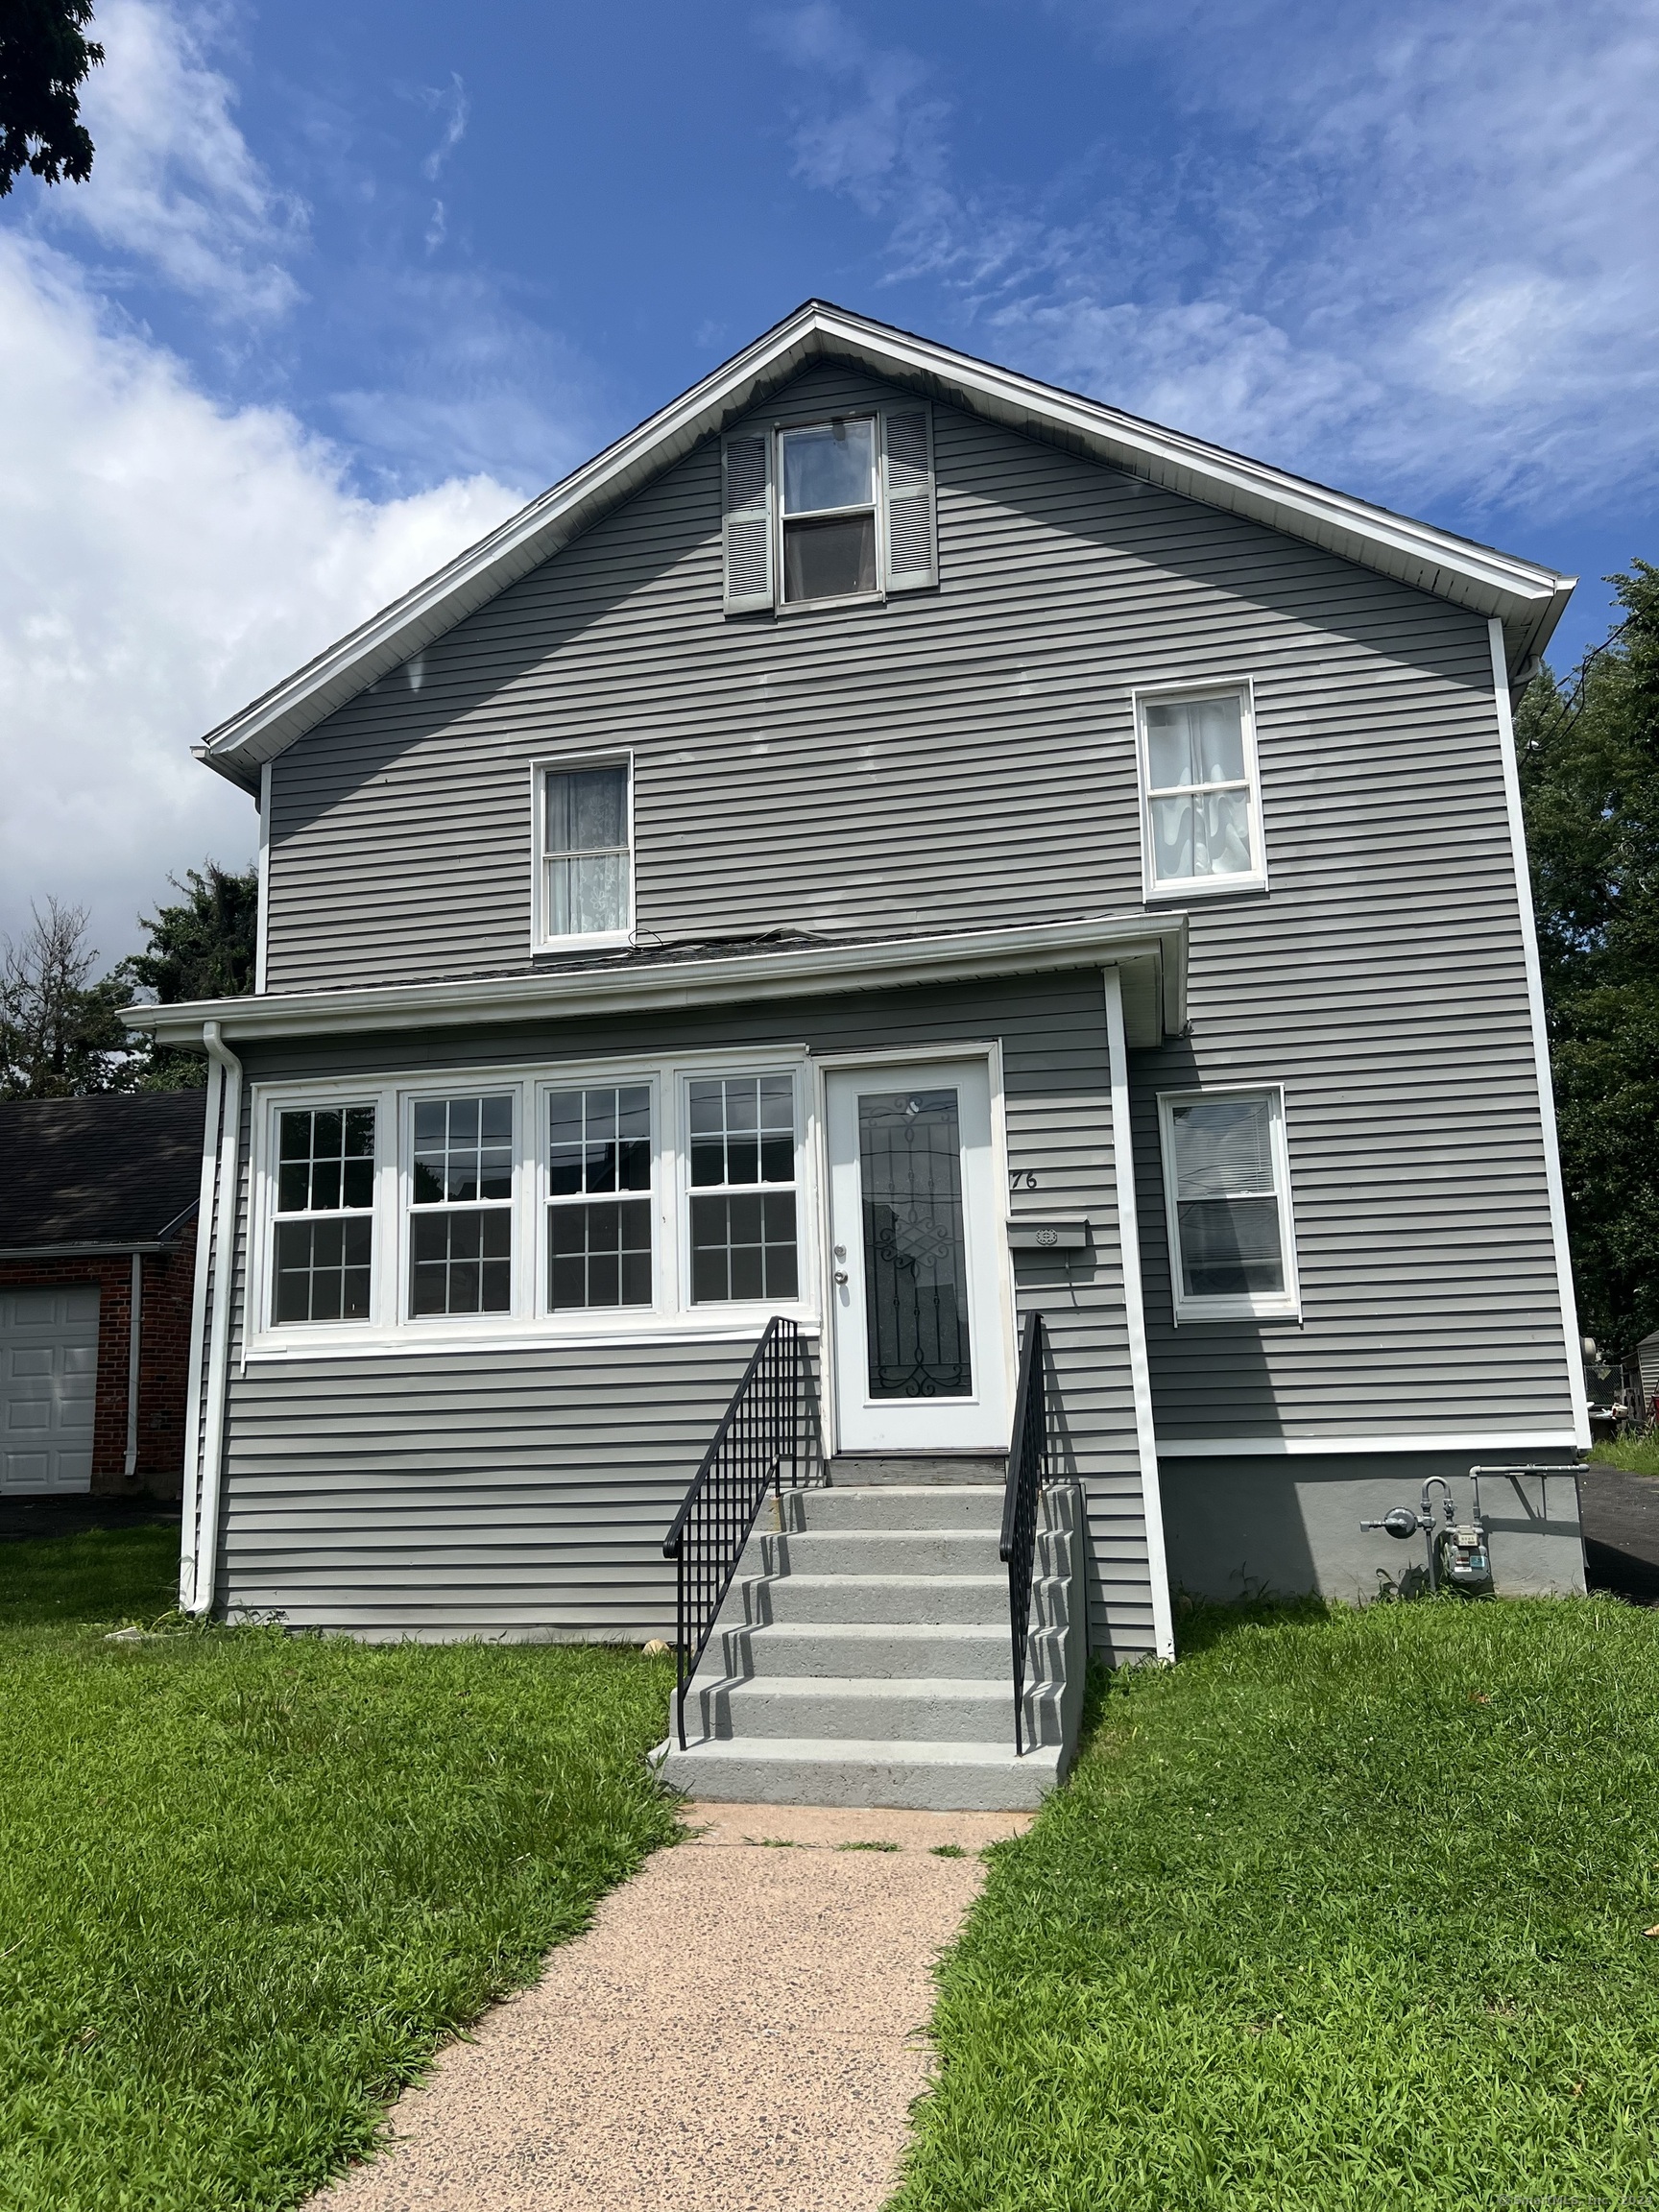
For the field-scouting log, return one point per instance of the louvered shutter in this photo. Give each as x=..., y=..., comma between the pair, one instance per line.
x=912, y=544
x=746, y=476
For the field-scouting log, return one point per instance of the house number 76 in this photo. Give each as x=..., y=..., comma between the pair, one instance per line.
x=1021, y=1178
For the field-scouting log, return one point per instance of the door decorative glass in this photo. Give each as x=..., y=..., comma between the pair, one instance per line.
x=915, y=1252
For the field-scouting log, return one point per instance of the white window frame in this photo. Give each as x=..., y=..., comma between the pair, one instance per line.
x=574, y=763
x=685, y=1190
x=1258, y=1306
x=1185, y=887
x=671, y=1318
x=614, y=1075
x=877, y=500
x=409, y=1097
x=262, y=1240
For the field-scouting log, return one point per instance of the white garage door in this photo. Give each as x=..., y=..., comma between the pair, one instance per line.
x=48, y=1385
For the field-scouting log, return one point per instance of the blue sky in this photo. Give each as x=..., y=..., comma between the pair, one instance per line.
x=349, y=282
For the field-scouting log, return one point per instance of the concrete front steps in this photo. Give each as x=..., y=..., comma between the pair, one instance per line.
x=863, y=1655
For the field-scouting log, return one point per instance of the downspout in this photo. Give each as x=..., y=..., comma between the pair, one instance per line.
x=219, y=1328
x=134, y=1345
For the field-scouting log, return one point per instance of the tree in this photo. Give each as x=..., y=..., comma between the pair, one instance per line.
x=60, y=1036
x=203, y=948
x=45, y=58
x=1589, y=759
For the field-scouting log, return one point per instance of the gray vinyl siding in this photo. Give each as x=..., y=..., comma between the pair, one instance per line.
x=526, y=1493
x=1390, y=1002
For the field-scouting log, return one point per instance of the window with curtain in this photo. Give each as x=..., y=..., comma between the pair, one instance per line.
x=587, y=857
x=1226, y=1187
x=1199, y=791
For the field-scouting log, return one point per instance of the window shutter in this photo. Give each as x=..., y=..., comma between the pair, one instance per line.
x=746, y=473
x=912, y=545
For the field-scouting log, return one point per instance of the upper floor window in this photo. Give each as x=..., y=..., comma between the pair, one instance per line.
x=829, y=510
x=1201, y=809
x=1227, y=1194
x=820, y=512
x=585, y=863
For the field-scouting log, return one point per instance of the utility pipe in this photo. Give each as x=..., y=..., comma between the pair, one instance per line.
x=206, y=1530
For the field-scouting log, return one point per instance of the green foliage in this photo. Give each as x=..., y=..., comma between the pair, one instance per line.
x=250, y=1881
x=1346, y=1910
x=61, y=1033
x=1590, y=779
x=45, y=58
x=205, y=947
x=1637, y=1452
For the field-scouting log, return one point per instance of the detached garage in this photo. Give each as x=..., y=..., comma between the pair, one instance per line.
x=98, y=1202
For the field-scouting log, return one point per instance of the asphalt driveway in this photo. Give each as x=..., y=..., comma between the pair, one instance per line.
x=1622, y=1532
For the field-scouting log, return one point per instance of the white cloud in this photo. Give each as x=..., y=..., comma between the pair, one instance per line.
x=163, y=561
x=450, y=101
x=1412, y=249
x=174, y=183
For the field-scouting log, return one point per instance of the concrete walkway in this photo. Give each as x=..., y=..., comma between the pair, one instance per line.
x=738, y=2032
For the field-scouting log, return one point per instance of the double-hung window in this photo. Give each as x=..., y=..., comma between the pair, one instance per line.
x=461, y=1206
x=585, y=857
x=741, y=1207
x=1227, y=1196
x=1201, y=809
x=323, y=1229
x=599, y=1196
x=828, y=481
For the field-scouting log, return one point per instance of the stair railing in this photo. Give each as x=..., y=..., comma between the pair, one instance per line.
x=1027, y=1472
x=767, y=1440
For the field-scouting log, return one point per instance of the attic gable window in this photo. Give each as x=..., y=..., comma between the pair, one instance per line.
x=585, y=857
x=816, y=514
x=828, y=477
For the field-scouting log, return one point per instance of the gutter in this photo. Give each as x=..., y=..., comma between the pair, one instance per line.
x=883, y=964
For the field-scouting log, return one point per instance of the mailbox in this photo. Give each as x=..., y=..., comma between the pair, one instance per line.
x=1026, y=1235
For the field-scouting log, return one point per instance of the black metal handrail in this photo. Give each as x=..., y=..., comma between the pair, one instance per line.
x=1027, y=1472
x=770, y=1425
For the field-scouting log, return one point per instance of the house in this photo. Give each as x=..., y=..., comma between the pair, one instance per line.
x=97, y=1265
x=896, y=848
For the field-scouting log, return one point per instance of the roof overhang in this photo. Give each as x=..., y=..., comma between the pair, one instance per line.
x=1526, y=598
x=1149, y=952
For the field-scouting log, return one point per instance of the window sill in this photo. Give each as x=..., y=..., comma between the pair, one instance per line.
x=736, y=1325
x=590, y=940
x=1234, y=1310
x=1206, y=887
x=793, y=606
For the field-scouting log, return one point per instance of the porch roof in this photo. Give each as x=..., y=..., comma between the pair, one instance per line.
x=1148, y=949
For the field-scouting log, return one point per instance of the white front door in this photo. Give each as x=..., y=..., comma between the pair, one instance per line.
x=920, y=1306
x=48, y=1387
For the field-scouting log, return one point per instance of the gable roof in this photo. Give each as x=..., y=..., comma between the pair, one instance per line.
x=1526, y=598
x=117, y=1170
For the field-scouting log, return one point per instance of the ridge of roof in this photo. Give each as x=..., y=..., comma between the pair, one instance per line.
x=1526, y=597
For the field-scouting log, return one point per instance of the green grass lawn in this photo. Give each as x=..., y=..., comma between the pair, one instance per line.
x=1346, y=1910
x=248, y=1882
x=1636, y=1455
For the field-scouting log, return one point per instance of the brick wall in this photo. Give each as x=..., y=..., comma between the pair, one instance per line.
x=164, y=1356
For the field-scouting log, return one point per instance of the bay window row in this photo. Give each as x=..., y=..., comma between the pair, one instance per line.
x=632, y=1196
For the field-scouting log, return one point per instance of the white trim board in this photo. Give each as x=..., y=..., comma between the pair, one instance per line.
x=1324, y=1447
x=1540, y=1041
x=1135, y=1319
x=1526, y=598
